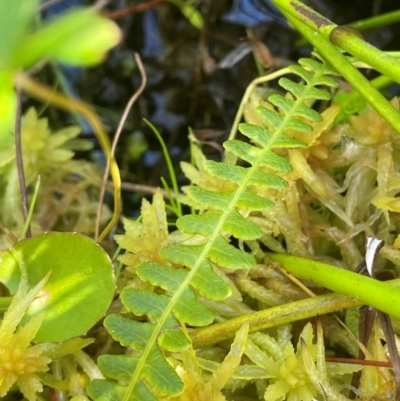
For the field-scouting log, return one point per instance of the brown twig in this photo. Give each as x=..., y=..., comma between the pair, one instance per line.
x=117, y=135
x=20, y=161
x=147, y=189
x=363, y=362
x=138, y=8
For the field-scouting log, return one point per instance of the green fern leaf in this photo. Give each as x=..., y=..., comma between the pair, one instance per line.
x=221, y=200
x=221, y=253
x=228, y=256
x=250, y=153
x=117, y=367
x=263, y=137
x=205, y=224
x=142, y=302
x=298, y=90
x=188, y=309
x=237, y=174
x=127, y=332
x=205, y=281
x=173, y=340
x=208, y=283
x=222, y=214
x=157, y=371
x=286, y=105
x=275, y=119
x=106, y=390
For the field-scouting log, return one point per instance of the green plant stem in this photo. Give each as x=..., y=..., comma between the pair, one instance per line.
x=374, y=22
x=32, y=206
x=44, y=93
x=345, y=37
x=259, y=66
x=229, y=157
x=350, y=73
x=20, y=162
x=171, y=170
x=278, y=315
x=369, y=291
x=377, y=21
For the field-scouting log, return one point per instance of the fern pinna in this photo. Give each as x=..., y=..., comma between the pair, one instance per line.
x=145, y=373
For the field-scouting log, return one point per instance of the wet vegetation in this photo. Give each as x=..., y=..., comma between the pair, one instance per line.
x=199, y=200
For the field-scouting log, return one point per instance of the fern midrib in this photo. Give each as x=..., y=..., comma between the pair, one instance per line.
x=174, y=299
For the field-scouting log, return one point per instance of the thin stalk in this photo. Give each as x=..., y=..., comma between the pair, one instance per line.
x=117, y=135
x=377, y=21
x=169, y=164
x=20, y=162
x=31, y=208
x=345, y=37
x=350, y=73
x=229, y=157
x=276, y=316
x=38, y=91
x=174, y=204
x=374, y=22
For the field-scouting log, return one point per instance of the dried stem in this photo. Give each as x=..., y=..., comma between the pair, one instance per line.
x=117, y=136
x=41, y=92
x=20, y=161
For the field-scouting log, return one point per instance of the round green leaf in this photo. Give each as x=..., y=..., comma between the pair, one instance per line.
x=80, y=288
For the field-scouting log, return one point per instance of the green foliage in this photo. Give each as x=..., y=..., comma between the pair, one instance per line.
x=195, y=275
x=22, y=363
x=82, y=276
x=81, y=37
x=188, y=268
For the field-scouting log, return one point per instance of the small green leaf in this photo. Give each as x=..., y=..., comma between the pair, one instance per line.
x=142, y=302
x=81, y=37
x=221, y=200
x=352, y=320
x=298, y=90
x=117, y=367
x=106, y=390
x=276, y=119
x=301, y=72
x=161, y=375
x=188, y=309
x=263, y=137
x=250, y=153
x=301, y=110
x=174, y=340
x=206, y=281
x=227, y=255
x=273, y=118
x=163, y=276
x=237, y=174
x=250, y=201
x=80, y=288
x=127, y=332
x=205, y=224
x=209, y=284
x=15, y=18
x=240, y=227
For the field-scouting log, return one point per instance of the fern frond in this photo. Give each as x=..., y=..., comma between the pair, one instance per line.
x=188, y=267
